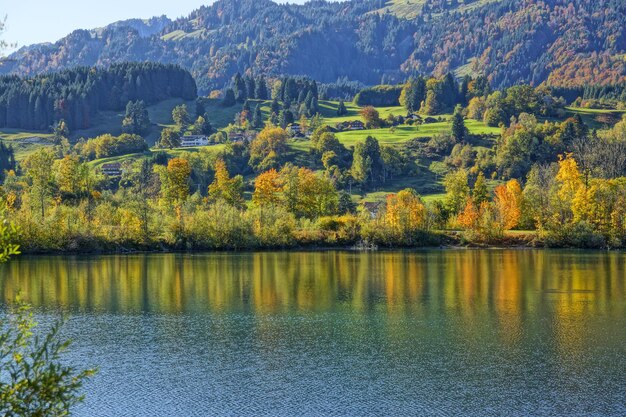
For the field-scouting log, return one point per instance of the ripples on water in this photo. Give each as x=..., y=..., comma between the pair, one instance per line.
x=432, y=332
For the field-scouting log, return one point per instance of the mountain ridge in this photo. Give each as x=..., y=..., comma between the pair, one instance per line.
x=555, y=42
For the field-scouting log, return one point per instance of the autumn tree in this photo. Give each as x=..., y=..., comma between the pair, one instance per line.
x=569, y=181
x=406, y=215
x=175, y=183
x=224, y=188
x=60, y=132
x=268, y=148
x=38, y=168
x=267, y=189
x=480, y=193
x=508, y=204
x=476, y=108
x=371, y=117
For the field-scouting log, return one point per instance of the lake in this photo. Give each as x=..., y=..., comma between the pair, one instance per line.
x=435, y=332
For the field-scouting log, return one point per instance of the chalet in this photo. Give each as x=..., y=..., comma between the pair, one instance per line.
x=343, y=126
x=353, y=125
x=372, y=208
x=236, y=137
x=112, y=169
x=357, y=125
x=294, y=129
x=193, y=140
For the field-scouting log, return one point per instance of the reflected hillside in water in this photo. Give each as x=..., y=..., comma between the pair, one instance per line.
x=501, y=283
x=437, y=332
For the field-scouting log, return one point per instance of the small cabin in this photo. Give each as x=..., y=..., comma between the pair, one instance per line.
x=294, y=128
x=372, y=208
x=236, y=137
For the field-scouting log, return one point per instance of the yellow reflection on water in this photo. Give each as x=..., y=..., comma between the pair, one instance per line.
x=503, y=285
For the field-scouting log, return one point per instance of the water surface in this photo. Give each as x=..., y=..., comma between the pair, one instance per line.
x=434, y=332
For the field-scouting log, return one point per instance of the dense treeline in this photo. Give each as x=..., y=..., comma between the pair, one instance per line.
x=76, y=95
x=565, y=43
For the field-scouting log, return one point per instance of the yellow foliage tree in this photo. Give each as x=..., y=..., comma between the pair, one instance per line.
x=267, y=188
x=226, y=188
x=508, y=204
x=406, y=213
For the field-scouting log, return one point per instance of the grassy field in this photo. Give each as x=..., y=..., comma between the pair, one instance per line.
x=410, y=9
x=597, y=118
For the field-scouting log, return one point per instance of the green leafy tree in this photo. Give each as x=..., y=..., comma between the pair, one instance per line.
x=170, y=139
x=181, y=116
x=457, y=190
x=60, y=132
x=413, y=94
x=39, y=170
x=480, y=193
x=136, y=121
x=367, y=164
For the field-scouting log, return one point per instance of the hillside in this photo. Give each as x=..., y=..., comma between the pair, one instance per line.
x=558, y=42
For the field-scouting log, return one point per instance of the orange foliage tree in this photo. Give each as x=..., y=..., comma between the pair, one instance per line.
x=508, y=203
x=267, y=188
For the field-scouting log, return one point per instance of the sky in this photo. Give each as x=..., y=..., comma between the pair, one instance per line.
x=36, y=21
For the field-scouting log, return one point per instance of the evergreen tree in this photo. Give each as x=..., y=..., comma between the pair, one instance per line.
x=341, y=109
x=229, y=98
x=275, y=107
x=250, y=87
x=459, y=131
x=413, y=94
x=257, y=118
x=285, y=118
x=260, y=92
x=239, y=88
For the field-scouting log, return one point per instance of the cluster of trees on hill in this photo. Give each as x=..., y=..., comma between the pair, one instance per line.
x=7, y=159
x=60, y=204
x=76, y=95
x=561, y=42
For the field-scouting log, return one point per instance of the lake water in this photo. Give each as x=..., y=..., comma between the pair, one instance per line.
x=435, y=332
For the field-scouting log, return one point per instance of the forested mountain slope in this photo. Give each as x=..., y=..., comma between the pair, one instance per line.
x=559, y=42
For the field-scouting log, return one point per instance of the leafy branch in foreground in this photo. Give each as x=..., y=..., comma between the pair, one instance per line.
x=33, y=381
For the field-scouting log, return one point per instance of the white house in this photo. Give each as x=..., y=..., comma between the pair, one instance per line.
x=193, y=140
